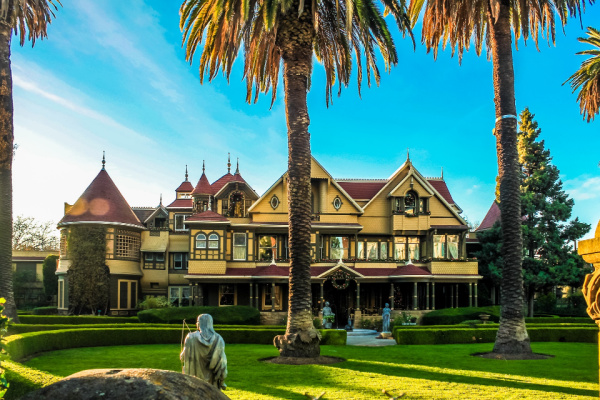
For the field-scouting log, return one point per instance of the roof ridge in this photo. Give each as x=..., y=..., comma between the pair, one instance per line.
x=361, y=180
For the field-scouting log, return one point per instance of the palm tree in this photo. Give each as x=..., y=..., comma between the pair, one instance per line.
x=588, y=77
x=288, y=32
x=26, y=18
x=490, y=23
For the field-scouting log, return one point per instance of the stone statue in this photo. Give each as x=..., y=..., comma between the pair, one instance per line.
x=203, y=353
x=385, y=315
x=327, y=313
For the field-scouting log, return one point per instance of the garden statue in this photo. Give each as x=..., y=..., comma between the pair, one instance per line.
x=385, y=315
x=328, y=315
x=203, y=353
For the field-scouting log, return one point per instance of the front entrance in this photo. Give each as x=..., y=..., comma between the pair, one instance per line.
x=341, y=296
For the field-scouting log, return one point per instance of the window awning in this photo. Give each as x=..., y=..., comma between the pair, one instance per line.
x=155, y=244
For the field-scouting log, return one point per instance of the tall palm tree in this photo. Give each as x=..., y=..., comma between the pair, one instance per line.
x=288, y=32
x=27, y=19
x=588, y=77
x=490, y=24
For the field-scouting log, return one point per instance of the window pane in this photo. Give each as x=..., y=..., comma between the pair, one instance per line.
x=185, y=296
x=372, y=250
x=239, y=239
x=213, y=236
x=174, y=296
x=213, y=244
x=400, y=251
x=361, y=250
x=133, y=295
x=439, y=244
x=409, y=203
x=123, y=294
x=452, y=246
x=383, y=253
x=200, y=244
x=413, y=251
x=160, y=257
x=149, y=257
x=239, y=252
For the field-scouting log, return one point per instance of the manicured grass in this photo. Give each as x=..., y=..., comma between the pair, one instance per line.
x=423, y=372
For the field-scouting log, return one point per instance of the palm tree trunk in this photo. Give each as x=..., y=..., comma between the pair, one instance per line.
x=295, y=42
x=6, y=155
x=512, y=335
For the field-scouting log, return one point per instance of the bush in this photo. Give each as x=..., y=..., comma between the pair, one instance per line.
x=545, y=303
x=366, y=324
x=75, y=319
x=317, y=323
x=451, y=316
x=233, y=315
x=24, y=380
x=151, y=302
x=559, y=320
x=45, y=311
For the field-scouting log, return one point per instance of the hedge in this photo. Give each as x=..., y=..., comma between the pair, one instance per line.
x=23, y=379
x=14, y=329
x=232, y=315
x=451, y=316
x=75, y=319
x=52, y=310
x=487, y=335
x=560, y=320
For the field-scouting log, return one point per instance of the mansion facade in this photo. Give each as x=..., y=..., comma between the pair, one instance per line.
x=399, y=240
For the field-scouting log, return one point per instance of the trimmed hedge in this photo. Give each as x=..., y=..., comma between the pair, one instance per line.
x=15, y=329
x=559, y=320
x=53, y=310
x=487, y=335
x=451, y=316
x=232, y=315
x=75, y=319
x=24, y=379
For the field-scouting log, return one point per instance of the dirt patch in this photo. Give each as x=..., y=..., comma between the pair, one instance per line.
x=500, y=356
x=321, y=360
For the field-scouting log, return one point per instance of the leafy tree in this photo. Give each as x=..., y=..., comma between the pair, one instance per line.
x=88, y=275
x=28, y=234
x=549, y=259
x=489, y=257
x=288, y=33
x=25, y=18
x=50, y=278
x=587, y=77
x=490, y=24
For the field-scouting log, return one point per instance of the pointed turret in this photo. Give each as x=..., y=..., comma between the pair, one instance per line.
x=102, y=203
x=203, y=187
x=185, y=186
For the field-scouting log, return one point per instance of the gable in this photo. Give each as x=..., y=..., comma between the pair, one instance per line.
x=411, y=182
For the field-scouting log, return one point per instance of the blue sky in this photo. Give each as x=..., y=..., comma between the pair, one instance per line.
x=112, y=76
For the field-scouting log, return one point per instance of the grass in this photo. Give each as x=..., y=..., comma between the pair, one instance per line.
x=422, y=372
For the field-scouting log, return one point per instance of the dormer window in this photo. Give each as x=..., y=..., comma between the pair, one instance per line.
x=410, y=203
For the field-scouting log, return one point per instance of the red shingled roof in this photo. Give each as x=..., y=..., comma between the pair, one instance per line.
x=101, y=202
x=186, y=186
x=203, y=186
x=362, y=190
x=272, y=270
x=442, y=189
x=490, y=218
x=181, y=203
x=206, y=216
x=222, y=181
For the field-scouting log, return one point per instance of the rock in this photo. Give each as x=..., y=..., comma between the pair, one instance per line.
x=138, y=384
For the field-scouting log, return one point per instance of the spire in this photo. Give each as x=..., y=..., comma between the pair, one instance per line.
x=203, y=166
x=186, y=173
x=237, y=167
x=442, y=172
x=228, y=163
x=160, y=204
x=407, y=154
x=103, y=160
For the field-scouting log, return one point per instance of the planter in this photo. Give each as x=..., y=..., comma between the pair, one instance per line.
x=484, y=317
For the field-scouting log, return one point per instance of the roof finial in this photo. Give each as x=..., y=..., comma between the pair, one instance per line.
x=442, y=173
x=228, y=163
x=407, y=154
x=203, y=167
x=160, y=204
x=103, y=159
x=237, y=167
x=186, y=174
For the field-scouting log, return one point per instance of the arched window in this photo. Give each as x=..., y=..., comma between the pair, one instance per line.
x=410, y=203
x=213, y=241
x=201, y=241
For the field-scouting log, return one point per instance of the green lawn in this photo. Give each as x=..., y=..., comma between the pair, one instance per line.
x=423, y=372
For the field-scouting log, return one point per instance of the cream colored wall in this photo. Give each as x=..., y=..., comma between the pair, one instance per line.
x=124, y=267
x=454, y=267
x=179, y=243
x=207, y=267
x=161, y=276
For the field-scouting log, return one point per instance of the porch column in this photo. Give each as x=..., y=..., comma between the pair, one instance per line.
x=451, y=296
x=456, y=296
x=493, y=294
x=357, y=295
x=272, y=296
x=251, y=295
x=427, y=296
x=415, y=307
x=476, y=295
x=200, y=295
x=322, y=299
x=392, y=295
x=470, y=294
x=191, y=294
x=433, y=295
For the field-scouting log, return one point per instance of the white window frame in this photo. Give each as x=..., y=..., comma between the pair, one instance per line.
x=201, y=243
x=239, y=246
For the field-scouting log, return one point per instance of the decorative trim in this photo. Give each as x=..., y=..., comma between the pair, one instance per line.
x=337, y=203
x=274, y=202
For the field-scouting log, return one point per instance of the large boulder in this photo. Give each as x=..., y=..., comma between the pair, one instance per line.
x=138, y=384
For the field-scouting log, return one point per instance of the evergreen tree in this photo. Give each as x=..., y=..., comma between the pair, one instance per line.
x=549, y=254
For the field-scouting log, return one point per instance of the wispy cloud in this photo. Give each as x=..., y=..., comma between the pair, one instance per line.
x=583, y=187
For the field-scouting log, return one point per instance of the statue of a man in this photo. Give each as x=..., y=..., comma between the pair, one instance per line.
x=203, y=353
x=385, y=315
x=327, y=312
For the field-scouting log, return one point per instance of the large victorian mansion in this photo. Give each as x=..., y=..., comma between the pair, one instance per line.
x=399, y=240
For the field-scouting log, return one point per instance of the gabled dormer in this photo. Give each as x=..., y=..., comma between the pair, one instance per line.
x=234, y=194
x=203, y=194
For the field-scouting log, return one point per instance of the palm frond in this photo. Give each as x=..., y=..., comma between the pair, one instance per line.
x=28, y=18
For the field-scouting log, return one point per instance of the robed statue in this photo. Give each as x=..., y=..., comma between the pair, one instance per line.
x=203, y=353
x=385, y=316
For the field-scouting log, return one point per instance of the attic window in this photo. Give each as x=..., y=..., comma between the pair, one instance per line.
x=337, y=203
x=410, y=203
x=274, y=202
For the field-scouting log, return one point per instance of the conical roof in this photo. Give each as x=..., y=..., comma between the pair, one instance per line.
x=203, y=186
x=185, y=186
x=103, y=203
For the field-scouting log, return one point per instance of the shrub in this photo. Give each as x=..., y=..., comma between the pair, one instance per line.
x=559, y=320
x=451, y=316
x=24, y=380
x=366, y=323
x=75, y=319
x=151, y=302
x=45, y=310
x=545, y=303
x=317, y=323
x=233, y=315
